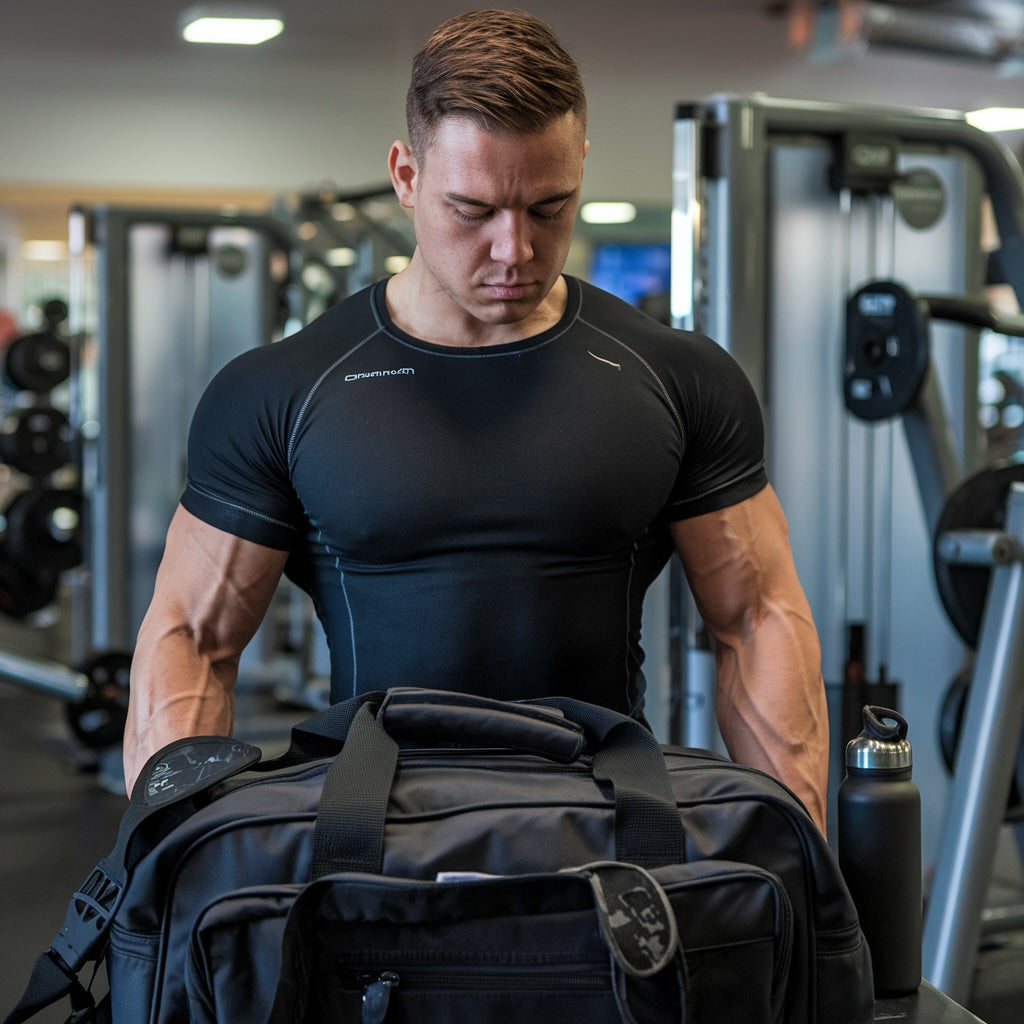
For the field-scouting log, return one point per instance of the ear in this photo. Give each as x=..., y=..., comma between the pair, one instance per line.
x=403, y=169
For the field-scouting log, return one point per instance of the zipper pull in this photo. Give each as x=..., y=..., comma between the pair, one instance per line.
x=376, y=996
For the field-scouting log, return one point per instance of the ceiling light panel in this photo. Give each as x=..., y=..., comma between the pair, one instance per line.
x=233, y=27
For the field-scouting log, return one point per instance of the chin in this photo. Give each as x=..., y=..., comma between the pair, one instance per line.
x=505, y=313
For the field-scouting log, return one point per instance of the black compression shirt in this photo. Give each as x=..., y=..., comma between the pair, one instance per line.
x=482, y=519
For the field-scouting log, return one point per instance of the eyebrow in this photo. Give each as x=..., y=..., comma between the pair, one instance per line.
x=457, y=197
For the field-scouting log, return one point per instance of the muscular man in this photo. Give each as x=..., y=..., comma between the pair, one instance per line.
x=477, y=467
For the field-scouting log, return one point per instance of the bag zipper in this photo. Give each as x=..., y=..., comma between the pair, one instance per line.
x=377, y=988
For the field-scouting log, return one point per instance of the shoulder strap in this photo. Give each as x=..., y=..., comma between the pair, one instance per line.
x=178, y=773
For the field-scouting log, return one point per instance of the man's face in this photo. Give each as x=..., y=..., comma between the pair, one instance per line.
x=494, y=216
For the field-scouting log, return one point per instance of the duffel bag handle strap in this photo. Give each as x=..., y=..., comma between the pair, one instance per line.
x=349, y=832
x=648, y=828
x=321, y=735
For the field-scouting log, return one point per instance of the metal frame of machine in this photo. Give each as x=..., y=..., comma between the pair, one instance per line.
x=781, y=211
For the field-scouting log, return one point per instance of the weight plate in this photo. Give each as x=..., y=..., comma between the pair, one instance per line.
x=55, y=312
x=36, y=440
x=24, y=590
x=886, y=358
x=951, y=717
x=951, y=722
x=979, y=503
x=37, y=362
x=44, y=528
x=98, y=719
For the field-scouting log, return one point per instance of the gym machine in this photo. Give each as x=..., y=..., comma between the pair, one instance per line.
x=978, y=529
x=159, y=300
x=781, y=212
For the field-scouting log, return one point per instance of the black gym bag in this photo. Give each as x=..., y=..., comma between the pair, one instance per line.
x=350, y=878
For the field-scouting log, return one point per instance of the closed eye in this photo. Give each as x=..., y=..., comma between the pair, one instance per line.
x=472, y=211
x=548, y=212
x=471, y=218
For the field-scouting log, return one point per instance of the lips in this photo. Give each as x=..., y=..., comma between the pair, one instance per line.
x=508, y=292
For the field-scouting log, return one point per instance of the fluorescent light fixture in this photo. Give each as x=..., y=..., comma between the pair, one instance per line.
x=396, y=264
x=38, y=250
x=232, y=26
x=997, y=119
x=608, y=213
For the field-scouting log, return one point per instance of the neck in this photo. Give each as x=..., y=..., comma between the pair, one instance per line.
x=421, y=309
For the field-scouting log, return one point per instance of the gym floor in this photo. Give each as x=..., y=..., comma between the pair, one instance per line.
x=56, y=822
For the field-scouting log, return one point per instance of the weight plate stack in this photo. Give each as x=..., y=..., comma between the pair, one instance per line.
x=25, y=590
x=98, y=719
x=36, y=440
x=44, y=528
x=37, y=362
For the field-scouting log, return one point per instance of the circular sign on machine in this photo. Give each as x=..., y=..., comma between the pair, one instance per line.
x=920, y=197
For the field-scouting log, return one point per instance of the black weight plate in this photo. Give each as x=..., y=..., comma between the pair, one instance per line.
x=951, y=722
x=37, y=362
x=55, y=312
x=979, y=503
x=951, y=718
x=36, y=440
x=98, y=719
x=44, y=528
x=24, y=590
x=886, y=351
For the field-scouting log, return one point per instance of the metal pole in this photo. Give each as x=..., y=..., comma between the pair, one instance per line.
x=50, y=677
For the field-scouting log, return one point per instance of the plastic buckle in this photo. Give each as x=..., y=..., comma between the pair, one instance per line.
x=88, y=918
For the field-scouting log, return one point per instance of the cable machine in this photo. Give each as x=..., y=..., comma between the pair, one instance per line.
x=783, y=214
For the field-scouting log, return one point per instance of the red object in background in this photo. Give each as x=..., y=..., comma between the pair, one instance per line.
x=9, y=329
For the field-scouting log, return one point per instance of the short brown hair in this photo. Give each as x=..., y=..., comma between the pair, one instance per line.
x=505, y=70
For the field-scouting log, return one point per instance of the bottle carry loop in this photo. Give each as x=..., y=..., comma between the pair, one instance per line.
x=875, y=723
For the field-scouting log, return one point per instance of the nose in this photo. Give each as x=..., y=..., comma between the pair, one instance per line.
x=511, y=244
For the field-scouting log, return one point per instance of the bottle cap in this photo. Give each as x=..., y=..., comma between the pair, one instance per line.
x=882, y=743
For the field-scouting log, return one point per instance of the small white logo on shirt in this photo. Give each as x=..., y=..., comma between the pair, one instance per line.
x=379, y=373
x=601, y=359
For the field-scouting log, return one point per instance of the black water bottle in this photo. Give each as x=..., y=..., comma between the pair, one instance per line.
x=880, y=848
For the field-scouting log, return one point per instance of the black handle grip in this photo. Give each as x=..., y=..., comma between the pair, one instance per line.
x=441, y=717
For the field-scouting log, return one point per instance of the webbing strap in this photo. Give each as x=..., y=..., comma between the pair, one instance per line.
x=349, y=830
x=49, y=982
x=648, y=829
